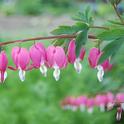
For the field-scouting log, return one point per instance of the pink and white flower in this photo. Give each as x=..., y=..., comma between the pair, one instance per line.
x=93, y=58
x=101, y=101
x=56, y=59
x=90, y=104
x=72, y=56
x=21, y=59
x=3, y=66
x=38, y=57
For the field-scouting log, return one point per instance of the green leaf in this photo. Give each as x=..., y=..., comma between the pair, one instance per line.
x=62, y=30
x=79, y=26
x=81, y=40
x=111, y=49
x=85, y=16
x=111, y=34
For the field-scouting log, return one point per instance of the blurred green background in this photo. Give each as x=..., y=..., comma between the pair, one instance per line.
x=37, y=100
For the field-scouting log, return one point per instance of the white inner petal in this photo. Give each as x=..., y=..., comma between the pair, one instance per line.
x=43, y=70
x=102, y=108
x=90, y=110
x=122, y=105
x=100, y=72
x=78, y=65
x=110, y=106
x=74, y=108
x=5, y=75
x=118, y=116
x=82, y=108
x=56, y=73
x=22, y=75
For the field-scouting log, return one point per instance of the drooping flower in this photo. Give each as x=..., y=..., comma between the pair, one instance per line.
x=83, y=102
x=56, y=59
x=38, y=57
x=90, y=105
x=110, y=101
x=119, y=113
x=21, y=59
x=101, y=101
x=3, y=66
x=120, y=99
x=72, y=56
x=93, y=58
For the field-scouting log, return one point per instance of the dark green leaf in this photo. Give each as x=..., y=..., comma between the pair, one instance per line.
x=111, y=48
x=62, y=30
x=81, y=40
x=79, y=26
x=111, y=34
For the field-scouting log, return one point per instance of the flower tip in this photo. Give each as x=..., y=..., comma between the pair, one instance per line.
x=56, y=73
x=43, y=70
x=100, y=73
x=77, y=66
x=22, y=75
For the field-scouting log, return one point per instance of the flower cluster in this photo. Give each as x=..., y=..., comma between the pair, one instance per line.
x=103, y=101
x=39, y=57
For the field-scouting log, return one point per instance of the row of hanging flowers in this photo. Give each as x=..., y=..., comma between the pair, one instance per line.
x=39, y=57
x=103, y=101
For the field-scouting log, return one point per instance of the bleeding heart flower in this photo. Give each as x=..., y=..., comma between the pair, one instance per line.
x=94, y=56
x=21, y=59
x=110, y=101
x=90, y=105
x=72, y=56
x=93, y=59
x=120, y=99
x=119, y=113
x=101, y=101
x=83, y=101
x=38, y=57
x=56, y=59
x=3, y=66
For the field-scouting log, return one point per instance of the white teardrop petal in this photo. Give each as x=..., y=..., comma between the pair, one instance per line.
x=74, y=108
x=77, y=65
x=22, y=75
x=82, y=108
x=102, y=108
x=90, y=110
x=118, y=116
x=43, y=70
x=5, y=75
x=100, y=73
x=110, y=106
x=122, y=106
x=56, y=73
